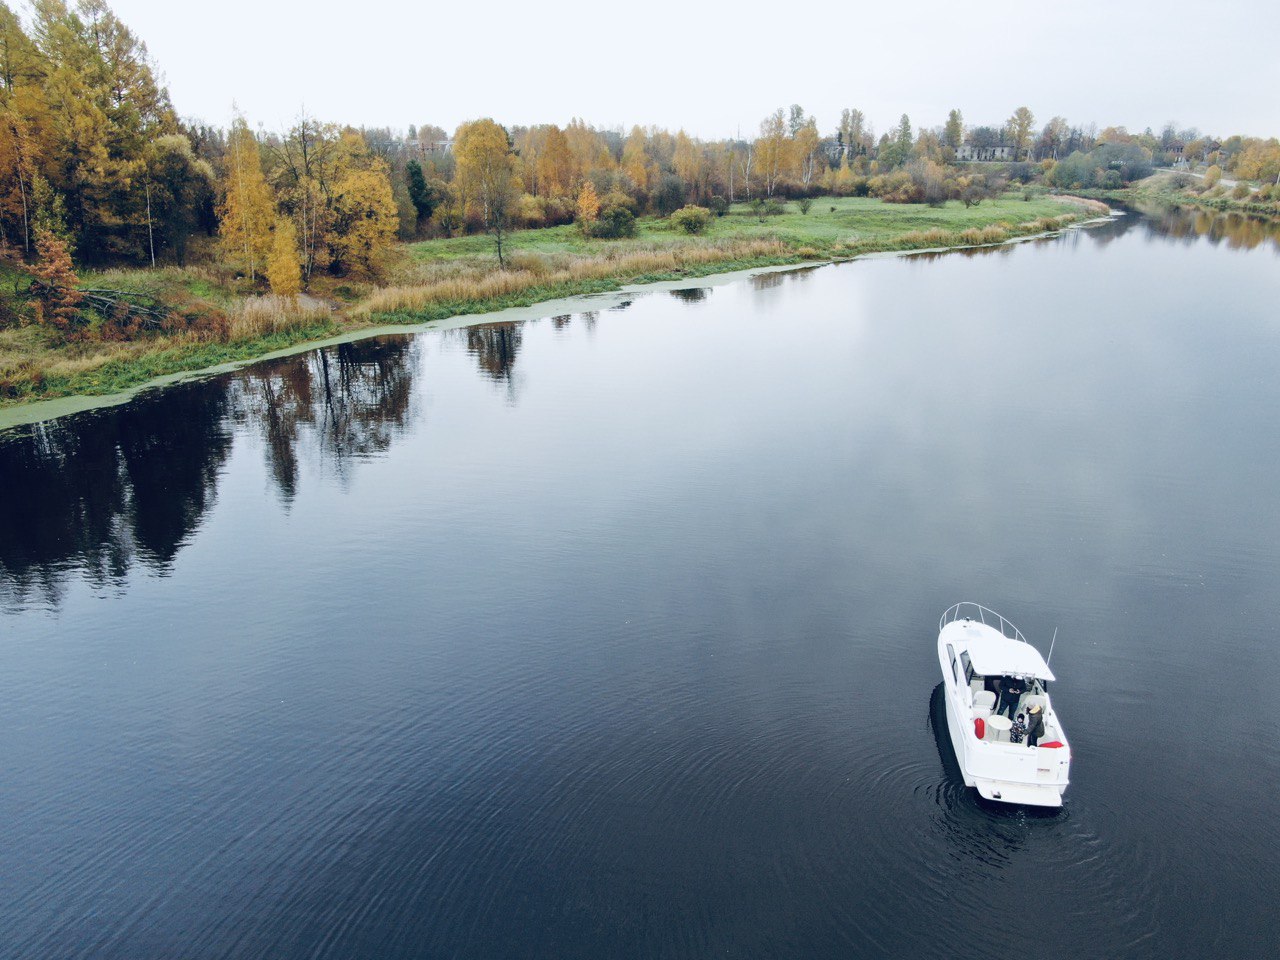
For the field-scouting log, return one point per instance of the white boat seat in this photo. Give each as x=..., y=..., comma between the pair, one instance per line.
x=984, y=698
x=982, y=710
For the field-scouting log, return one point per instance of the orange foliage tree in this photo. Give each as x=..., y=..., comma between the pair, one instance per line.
x=56, y=287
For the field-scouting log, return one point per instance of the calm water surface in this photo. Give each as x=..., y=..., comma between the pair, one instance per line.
x=612, y=634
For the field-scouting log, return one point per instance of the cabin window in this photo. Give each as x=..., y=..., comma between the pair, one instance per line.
x=968, y=667
x=952, y=654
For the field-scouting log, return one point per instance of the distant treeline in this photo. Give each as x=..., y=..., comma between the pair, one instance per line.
x=96, y=164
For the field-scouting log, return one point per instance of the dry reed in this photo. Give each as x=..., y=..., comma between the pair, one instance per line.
x=460, y=284
x=260, y=316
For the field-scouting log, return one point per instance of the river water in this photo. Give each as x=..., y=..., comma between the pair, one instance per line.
x=612, y=634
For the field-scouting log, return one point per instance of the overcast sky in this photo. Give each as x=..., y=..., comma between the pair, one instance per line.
x=717, y=67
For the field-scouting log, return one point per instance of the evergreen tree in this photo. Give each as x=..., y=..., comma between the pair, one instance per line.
x=421, y=194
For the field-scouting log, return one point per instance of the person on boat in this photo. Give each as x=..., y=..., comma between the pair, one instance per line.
x=1010, y=692
x=1035, y=725
x=1019, y=729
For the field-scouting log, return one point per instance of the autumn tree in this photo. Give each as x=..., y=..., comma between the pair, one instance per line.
x=246, y=210
x=56, y=286
x=103, y=106
x=588, y=206
x=363, y=218
x=690, y=163
x=807, y=149
x=555, y=166
x=283, y=272
x=953, y=132
x=302, y=176
x=635, y=160
x=852, y=132
x=587, y=149
x=486, y=176
x=1053, y=139
x=1019, y=131
x=771, y=149
x=21, y=110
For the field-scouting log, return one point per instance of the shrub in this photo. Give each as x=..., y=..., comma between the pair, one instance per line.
x=804, y=203
x=1022, y=172
x=1241, y=191
x=691, y=219
x=896, y=187
x=618, y=198
x=1212, y=176
x=613, y=223
x=718, y=205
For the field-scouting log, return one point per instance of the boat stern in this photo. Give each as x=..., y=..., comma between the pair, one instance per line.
x=1024, y=794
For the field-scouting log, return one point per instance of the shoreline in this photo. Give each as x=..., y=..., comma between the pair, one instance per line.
x=25, y=412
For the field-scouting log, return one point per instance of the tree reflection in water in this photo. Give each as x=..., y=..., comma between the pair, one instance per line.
x=691, y=295
x=352, y=400
x=89, y=495
x=496, y=346
x=1238, y=231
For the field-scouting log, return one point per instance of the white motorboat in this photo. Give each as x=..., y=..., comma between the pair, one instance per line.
x=990, y=675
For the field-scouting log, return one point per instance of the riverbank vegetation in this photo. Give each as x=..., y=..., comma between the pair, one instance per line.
x=133, y=243
x=1207, y=191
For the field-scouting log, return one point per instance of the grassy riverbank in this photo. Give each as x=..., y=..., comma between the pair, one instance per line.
x=436, y=279
x=1186, y=190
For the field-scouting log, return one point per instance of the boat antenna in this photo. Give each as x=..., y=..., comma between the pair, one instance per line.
x=1051, y=643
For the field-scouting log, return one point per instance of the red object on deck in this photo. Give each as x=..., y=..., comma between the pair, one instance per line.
x=1052, y=743
x=980, y=727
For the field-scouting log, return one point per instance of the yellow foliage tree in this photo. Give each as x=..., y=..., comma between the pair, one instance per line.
x=771, y=149
x=247, y=208
x=588, y=204
x=283, y=270
x=365, y=220
x=635, y=161
x=555, y=165
x=486, y=177
x=807, y=151
x=690, y=163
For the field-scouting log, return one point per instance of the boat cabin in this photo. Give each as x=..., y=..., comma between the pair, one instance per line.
x=986, y=663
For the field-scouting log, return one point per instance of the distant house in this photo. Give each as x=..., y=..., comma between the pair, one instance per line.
x=1000, y=151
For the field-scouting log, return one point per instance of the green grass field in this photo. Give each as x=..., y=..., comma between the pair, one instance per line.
x=830, y=221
